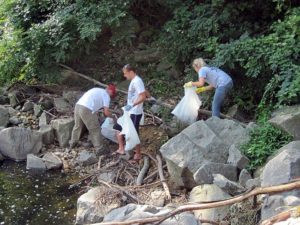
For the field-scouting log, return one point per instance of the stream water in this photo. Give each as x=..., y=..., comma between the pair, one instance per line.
x=35, y=199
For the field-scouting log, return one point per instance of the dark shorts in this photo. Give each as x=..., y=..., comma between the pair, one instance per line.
x=136, y=122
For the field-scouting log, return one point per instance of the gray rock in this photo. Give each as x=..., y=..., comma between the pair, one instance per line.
x=28, y=106
x=35, y=163
x=236, y=158
x=4, y=116
x=244, y=177
x=47, y=134
x=228, y=186
x=16, y=142
x=282, y=168
x=52, y=161
x=72, y=96
x=157, y=198
x=87, y=158
x=4, y=100
x=91, y=211
x=12, y=112
x=253, y=183
x=231, y=132
x=197, y=145
x=107, y=176
x=1, y=157
x=132, y=212
x=13, y=98
x=14, y=120
x=63, y=130
x=204, y=175
x=288, y=120
x=209, y=192
x=37, y=110
x=44, y=119
x=62, y=106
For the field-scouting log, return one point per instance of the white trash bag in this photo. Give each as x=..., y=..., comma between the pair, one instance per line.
x=128, y=129
x=187, y=109
x=108, y=131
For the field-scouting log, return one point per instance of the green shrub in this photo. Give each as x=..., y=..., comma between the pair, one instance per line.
x=264, y=141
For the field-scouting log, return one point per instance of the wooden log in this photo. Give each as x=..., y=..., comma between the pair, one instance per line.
x=162, y=178
x=143, y=172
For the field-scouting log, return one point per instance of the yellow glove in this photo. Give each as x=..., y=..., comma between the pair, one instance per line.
x=201, y=89
x=188, y=84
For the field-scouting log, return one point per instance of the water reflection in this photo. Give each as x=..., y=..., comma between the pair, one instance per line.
x=35, y=199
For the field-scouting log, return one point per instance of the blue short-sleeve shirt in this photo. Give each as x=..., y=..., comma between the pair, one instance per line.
x=214, y=76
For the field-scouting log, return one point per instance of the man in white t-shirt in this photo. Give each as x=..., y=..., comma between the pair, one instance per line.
x=135, y=99
x=85, y=114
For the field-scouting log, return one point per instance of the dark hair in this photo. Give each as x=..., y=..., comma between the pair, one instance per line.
x=128, y=67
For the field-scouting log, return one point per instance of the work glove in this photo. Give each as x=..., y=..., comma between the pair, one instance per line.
x=201, y=89
x=188, y=84
x=152, y=100
x=128, y=107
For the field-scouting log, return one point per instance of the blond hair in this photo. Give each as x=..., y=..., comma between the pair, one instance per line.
x=199, y=62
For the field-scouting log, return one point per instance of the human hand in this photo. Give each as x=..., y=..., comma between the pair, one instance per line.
x=201, y=89
x=128, y=107
x=188, y=84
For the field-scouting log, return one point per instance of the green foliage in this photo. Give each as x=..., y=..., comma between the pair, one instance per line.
x=272, y=58
x=55, y=31
x=250, y=40
x=264, y=141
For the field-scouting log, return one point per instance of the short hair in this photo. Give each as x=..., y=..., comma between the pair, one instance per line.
x=128, y=67
x=199, y=62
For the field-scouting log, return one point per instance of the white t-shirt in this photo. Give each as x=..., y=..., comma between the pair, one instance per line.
x=95, y=99
x=136, y=87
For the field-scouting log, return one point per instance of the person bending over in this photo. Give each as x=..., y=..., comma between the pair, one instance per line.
x=216, y=79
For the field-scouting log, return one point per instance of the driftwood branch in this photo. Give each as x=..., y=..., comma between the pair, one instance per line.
x=143, y=172
x=161, y=176
x=209, y=205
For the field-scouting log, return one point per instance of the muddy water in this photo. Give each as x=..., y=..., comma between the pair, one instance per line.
x=35, y=199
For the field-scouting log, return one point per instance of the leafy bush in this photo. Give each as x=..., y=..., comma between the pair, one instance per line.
x=264, y=141
x=55, y=31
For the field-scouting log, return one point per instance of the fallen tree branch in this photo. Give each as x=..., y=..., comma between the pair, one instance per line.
x=143, y=172
x=199, y=206
x=161, y=176
x=119, y=189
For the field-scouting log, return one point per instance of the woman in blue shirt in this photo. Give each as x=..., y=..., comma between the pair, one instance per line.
x=216, y=78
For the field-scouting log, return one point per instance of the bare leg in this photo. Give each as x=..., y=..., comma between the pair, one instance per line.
x=137, y=155
x=121, y=149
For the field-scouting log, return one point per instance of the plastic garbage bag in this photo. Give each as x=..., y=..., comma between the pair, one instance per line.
x=128, y=129
x=108, y=131
x=187, y=109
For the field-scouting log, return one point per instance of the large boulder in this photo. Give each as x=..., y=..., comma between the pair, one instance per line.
x=62, y=106
x=90, y=208
x=282, y=168
x=200, y=144
x=133, y=212
x=16, y=142
x=209, y=192
x=288, y=120
x=4, y=116
x=63, y=130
